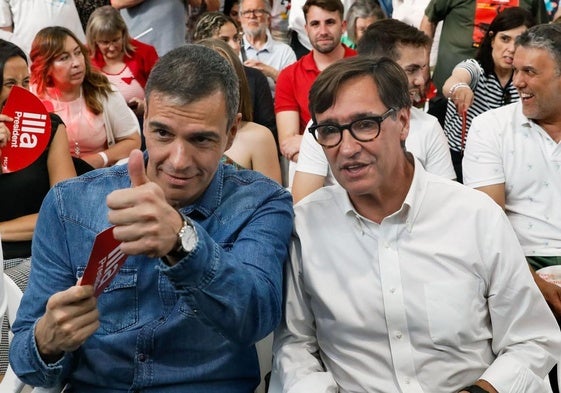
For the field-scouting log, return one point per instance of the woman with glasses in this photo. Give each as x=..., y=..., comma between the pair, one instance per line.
x=477, y=85
x=360, y=15
x=125, y=61
x=101, y=128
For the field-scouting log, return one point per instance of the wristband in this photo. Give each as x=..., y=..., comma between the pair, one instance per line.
x=474, y=389
x=456, y=87
x=104, y=157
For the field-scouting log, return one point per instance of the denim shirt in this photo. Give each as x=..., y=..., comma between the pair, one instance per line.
x=187, y=328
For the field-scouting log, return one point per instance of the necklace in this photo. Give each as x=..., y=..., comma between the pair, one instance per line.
x=71, y=112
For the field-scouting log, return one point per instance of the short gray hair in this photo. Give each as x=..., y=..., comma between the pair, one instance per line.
x=192, y=72
x=546, y=37
x=267, y=6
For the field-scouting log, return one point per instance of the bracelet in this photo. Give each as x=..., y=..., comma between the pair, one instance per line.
x=456, y=87
x=104, y=157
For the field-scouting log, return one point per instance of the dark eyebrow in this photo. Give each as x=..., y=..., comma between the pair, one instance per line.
x=159, y=125
x=354, y=117
x=154, y=124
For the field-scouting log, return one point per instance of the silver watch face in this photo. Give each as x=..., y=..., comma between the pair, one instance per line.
x=189, y=239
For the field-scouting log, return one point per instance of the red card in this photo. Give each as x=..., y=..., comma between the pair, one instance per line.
x=105, y=261
x=30, y=131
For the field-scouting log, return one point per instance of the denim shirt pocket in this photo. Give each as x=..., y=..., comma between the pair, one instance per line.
x=118, y=304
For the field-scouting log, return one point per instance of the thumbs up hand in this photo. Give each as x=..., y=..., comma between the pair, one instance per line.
x=144, y=221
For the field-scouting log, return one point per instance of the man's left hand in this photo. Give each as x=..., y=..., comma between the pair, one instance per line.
x=144, y=221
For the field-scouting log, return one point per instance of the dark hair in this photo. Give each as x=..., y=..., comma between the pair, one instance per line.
x=508, y=19
x=228, y=53
x=7, y=51
x=387, y=74
x=46, y=46
x=228, y=5
x=328, y=5
x=382, y=37
x=192, y=72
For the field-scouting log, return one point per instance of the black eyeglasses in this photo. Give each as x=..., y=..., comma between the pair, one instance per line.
x=257, y=12
x=363, y=130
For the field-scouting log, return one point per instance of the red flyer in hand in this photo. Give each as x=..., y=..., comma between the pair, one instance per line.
x=105, y=261
x=30, y=131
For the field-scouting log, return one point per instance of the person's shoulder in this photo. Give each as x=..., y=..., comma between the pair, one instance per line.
x=465, y=199
x=348, y=51
x=95, y=184
x=321, y=200
x=246, y=181
x=254, y=133
x=291, y=68
x=502, y=115
x=254, y=73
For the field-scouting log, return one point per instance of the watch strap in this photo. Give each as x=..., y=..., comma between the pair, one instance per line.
x=474, y=389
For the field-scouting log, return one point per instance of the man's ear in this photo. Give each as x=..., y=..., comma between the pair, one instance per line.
x=404, y=116
x=233, y=130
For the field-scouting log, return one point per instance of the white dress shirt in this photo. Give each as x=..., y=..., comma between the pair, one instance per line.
x=422, y=302
x=504, y=146
x=426, y=141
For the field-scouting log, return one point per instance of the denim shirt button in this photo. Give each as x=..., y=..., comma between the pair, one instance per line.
x=141, y=357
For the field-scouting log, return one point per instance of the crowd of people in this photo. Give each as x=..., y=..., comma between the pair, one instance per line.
x=379, y=194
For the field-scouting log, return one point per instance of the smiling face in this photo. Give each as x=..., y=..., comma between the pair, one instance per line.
x=415, y=62
x=185, y=144
x=365, y=168
x=16, y=73
x=503, y=47
x=538, y=81
x=68, y=68
x=324, y=29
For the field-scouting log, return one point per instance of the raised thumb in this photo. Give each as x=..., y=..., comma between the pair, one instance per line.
x=137, y=172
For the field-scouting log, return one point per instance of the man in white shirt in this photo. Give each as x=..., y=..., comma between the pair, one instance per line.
x=259, y=49
x=385, y=291
x=514, y=154
x=409, y=47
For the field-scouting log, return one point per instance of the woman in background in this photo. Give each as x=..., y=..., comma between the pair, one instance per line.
x=220, y=26
x=483, y=83
x=125, y=61
x=254, y=146
x=361, y=15
x=23, y=191
x=100, y=126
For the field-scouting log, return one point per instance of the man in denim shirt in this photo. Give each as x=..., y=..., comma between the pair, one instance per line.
x=206, y=245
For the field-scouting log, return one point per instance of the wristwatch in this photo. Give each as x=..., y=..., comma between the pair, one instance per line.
x=474, y=389
x=186, y=240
